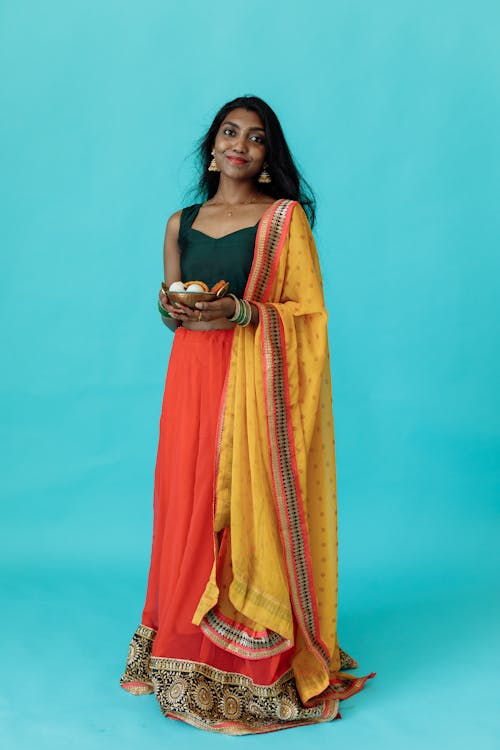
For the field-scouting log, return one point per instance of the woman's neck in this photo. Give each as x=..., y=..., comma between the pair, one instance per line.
x=232, y=192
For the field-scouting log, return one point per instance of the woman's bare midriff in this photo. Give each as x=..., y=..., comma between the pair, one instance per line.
x=208, y=325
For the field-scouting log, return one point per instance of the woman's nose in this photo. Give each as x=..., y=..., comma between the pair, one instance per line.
x=240, y=144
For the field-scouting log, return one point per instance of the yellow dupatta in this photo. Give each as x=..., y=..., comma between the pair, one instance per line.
x=273, y=585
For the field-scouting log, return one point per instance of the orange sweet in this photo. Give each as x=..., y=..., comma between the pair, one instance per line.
x=218, y=286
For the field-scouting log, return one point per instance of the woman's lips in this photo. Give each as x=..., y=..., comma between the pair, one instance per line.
x=235, y=160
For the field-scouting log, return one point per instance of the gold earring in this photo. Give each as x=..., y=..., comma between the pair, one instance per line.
x=213, y=164
x=264, y=175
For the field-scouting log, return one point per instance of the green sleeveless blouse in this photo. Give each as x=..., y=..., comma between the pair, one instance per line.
x=210, y=259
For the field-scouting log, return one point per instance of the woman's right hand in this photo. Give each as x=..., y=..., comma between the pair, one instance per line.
x=163, y=300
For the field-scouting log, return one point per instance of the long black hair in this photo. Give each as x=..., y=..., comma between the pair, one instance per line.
x=286, y=180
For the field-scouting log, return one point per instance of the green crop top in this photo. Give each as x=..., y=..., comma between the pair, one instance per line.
x=210, y=259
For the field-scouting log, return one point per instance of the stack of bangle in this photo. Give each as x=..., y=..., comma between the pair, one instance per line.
x=242, y=311
x=165, y=313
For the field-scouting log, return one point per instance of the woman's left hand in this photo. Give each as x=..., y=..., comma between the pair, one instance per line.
x=206, y=311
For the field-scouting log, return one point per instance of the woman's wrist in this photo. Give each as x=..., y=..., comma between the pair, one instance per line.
x=171, y=321
x=242, y=315
x=164, y=313
x=233, y=299
x=254, y=313
x=236, y=308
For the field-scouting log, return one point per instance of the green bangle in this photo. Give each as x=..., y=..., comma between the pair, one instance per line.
x=165, y=313
x=237, y=308
x=243, y=312
x=248, y=313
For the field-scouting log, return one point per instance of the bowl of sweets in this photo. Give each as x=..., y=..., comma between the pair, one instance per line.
x=190, y=292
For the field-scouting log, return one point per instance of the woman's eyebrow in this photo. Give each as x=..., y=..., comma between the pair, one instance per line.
x=234, y=125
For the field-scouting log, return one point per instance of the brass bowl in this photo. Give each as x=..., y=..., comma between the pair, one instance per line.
x=190, y=298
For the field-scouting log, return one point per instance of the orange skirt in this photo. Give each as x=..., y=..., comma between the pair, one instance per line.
x=194, y=679
x=183, y=550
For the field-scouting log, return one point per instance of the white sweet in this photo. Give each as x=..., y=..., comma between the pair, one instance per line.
x=194, y=288
x=176, y=286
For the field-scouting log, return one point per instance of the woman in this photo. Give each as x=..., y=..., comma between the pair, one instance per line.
x=238, y=632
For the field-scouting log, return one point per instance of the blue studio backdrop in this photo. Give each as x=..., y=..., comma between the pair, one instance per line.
x=391, y=110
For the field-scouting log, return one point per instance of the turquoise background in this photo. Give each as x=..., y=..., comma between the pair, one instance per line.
x=392, y=111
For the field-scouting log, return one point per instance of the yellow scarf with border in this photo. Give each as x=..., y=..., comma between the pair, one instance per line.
x=274, y=581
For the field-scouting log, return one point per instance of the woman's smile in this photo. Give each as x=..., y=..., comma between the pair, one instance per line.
x=238, y=160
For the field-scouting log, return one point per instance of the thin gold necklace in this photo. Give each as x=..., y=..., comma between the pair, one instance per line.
x=239, y=203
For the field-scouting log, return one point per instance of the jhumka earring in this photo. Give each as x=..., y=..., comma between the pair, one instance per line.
x=264, y=175
x=213, y=164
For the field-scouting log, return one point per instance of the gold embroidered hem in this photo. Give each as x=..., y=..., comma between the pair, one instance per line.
x=231, y=703
x=136, y=678
x=226, y=702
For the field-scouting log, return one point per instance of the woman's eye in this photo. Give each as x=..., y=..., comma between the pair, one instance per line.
x=258, y=138
x=227, y=131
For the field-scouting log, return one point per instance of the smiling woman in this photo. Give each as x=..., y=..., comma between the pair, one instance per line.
x=245, y=484
x=242, y=142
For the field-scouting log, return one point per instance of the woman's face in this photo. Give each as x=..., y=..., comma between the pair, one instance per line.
x=240, y=144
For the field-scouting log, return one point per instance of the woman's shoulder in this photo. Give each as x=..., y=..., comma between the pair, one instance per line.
x=291, y=213
x=174, y=220
x=295, y=205
x=302, y=213
x=175, y=217
x=295, y=209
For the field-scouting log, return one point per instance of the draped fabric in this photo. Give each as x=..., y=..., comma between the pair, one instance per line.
x=275, y=499
x=251, y=645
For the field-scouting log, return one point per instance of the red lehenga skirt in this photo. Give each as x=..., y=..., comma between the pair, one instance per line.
x=194, y=679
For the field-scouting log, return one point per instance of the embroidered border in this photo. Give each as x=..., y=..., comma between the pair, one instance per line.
x=268, y=244
x=346, y=686
x=239, y=640
x=232, y=703
x=146, y=632
x=286, y=484
x=136, y=678
x=346, y=661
